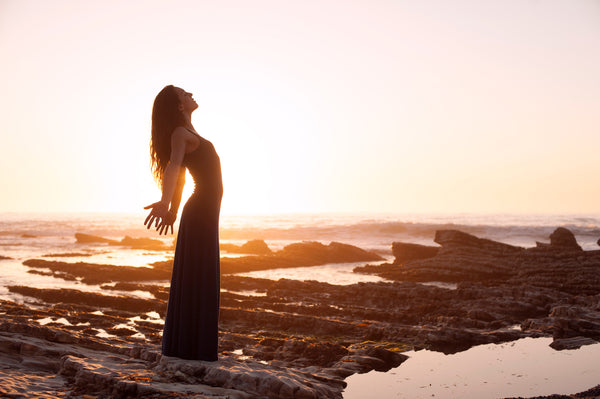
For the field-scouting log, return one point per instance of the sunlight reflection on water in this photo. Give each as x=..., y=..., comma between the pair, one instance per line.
x=334, y=273
x=527, y=367
x=15, y=273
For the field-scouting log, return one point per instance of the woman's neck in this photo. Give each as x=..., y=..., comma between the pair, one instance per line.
x=188, y=120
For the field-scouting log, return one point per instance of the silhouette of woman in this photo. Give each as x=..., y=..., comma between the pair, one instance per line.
x=191, y=325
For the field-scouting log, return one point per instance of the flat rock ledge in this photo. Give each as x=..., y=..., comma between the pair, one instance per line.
x=37, y=367
x=66, y=358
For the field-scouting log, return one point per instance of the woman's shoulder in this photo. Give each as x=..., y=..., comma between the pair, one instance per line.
x=186, y=138
x=185, y=131
x=185, y=134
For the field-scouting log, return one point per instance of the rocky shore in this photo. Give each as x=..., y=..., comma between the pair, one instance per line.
x=295, y=339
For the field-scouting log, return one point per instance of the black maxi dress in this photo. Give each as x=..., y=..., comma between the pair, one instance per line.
x=191, y=326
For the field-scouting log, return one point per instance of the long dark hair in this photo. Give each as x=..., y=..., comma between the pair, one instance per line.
x=166, y=116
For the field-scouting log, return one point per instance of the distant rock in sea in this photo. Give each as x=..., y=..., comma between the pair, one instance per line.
x=403, y=252
x=90, y=239
x=130, y=242
x=254, y=247
x=563, y=238
x=299, y=254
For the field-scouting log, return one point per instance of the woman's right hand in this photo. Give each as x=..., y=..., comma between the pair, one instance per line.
x=167, y=222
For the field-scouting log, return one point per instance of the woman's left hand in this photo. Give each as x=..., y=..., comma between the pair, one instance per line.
x=158, y=212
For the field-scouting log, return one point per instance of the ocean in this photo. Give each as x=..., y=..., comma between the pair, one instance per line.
x=52, y=236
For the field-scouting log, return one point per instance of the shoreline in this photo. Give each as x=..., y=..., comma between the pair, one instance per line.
x=290, y=338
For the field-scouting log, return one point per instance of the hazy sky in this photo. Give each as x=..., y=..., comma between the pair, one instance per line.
x=313, y=106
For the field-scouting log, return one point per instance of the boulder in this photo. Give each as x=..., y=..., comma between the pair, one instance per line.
x=563, y=238
x=258, y=247
x=253, y=247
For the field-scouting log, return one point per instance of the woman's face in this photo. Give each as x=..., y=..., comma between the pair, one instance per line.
x=186, y=100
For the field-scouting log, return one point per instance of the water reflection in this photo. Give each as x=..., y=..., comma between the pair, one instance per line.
x=333, y=273
x=527, y=367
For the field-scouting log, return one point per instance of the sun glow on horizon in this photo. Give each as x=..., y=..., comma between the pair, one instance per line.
x=324, y=106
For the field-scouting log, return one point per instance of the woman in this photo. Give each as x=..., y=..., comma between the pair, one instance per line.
x=191, y=325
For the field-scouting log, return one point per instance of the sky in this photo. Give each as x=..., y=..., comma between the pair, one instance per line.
x=425, y=106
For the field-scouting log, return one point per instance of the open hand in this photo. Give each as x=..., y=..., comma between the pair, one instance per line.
x=167, y=222
x=161, y=217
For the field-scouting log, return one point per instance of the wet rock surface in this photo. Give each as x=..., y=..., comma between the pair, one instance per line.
x=69, y=349
x=104, y=343
x=295, y=339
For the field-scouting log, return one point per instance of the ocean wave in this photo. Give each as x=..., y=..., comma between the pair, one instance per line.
x=368, y=230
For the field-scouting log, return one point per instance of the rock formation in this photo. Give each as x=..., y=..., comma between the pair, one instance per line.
x=563, y=238
x=551, y=289
x=252, y=247
x=406, y=251
x=307, y=253
x=129, y=242
x=294, y=339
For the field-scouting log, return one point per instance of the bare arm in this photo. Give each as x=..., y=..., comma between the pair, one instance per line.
x=172, y=186
x=178, y=191
x=173, y=169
